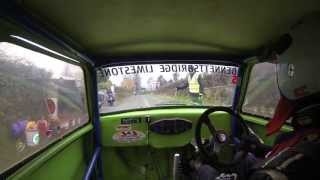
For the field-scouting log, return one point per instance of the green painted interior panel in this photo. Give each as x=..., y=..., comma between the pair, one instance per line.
x=137, y=163
x=65, y=160
x=110, y=124
x=150, y=158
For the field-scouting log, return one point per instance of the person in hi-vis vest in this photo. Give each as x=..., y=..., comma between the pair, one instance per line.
x=194, y=86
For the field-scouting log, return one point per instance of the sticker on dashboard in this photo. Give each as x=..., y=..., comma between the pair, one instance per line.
x=123, y=127
x=128, y=136
x=131, y=120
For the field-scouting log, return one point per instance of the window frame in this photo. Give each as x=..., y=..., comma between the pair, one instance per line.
x=85, y=70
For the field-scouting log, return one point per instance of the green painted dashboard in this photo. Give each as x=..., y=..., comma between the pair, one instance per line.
x=149, y=155
x=137, y=124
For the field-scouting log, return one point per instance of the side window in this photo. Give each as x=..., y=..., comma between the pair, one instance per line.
x=41, y=100
x=262, y=94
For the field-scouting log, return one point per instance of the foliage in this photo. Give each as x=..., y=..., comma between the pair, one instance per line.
x=24, y=88
x=22, y=85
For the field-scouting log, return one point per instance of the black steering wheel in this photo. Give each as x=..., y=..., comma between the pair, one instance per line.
x=220, y=139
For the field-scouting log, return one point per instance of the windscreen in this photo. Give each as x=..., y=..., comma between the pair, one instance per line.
x=132, y=87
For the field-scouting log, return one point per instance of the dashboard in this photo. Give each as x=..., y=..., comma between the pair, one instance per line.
x=158, y=128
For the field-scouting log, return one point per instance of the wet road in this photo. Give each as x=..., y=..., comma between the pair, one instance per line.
x=136, y=101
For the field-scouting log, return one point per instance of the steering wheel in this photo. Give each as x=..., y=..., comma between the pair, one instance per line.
x=219, y=139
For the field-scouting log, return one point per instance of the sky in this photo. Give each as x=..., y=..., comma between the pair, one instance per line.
x=56, y=67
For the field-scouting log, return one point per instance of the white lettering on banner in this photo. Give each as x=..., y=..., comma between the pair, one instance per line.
x=140, y=69
x=126, y=70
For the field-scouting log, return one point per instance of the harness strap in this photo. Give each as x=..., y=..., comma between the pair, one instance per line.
x=292, y=141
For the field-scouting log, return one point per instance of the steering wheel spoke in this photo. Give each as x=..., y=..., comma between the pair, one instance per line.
x=210, y=127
